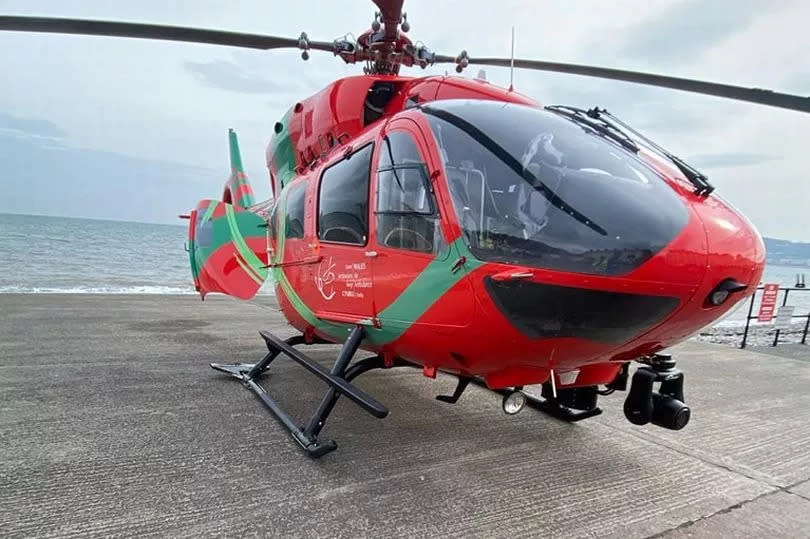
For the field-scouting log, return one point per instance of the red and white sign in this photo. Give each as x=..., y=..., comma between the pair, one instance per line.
x=767, y=306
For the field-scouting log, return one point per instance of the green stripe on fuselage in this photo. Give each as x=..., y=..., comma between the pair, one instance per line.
x=433, y=282
x=425, y=290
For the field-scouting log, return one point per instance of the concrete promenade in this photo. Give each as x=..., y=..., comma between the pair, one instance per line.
x=112, y=423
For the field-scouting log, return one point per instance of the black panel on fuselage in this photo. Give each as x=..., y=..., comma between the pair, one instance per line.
x=543, y=311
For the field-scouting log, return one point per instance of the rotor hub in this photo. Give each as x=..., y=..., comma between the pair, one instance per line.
x=385, y=47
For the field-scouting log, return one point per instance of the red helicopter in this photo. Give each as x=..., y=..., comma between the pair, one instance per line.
x=460, y=227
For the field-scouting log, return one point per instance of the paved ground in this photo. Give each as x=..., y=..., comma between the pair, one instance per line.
x=111, y=423
x=789, y=350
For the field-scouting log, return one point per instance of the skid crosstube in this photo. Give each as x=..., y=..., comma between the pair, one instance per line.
x=334, y=379
x=338, y=379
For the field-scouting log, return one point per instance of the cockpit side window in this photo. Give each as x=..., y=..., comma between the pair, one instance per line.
x=296, y=208
x=405, y=210
x=343, y=199
x=532, y=188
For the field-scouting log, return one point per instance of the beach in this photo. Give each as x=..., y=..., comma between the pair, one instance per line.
x=113, y=424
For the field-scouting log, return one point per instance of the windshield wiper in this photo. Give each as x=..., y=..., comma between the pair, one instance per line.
x=597, y=124
x=695, y=177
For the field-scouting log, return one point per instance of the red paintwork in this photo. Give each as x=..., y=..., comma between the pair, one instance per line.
x=463, y=331
x=333, y=118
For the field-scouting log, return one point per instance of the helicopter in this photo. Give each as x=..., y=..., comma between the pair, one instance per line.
x=455, y=226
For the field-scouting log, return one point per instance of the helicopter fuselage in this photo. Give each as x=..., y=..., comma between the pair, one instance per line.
x=470, y=231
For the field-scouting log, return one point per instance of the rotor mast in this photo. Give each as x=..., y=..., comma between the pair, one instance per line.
x=391, y=14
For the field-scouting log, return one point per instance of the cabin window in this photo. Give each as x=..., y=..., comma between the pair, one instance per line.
x=406, y=216
x=343, y=199
x=296, y=208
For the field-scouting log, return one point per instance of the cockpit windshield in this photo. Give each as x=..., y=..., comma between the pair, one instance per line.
x=530, y=187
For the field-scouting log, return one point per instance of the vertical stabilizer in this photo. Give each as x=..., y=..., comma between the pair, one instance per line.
x=227, y=241
x=238, y=191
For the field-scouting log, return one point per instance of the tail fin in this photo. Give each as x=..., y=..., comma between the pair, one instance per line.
x=227, y=242
x=238, y=191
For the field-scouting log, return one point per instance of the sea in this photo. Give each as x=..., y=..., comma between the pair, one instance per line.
x=42, y=255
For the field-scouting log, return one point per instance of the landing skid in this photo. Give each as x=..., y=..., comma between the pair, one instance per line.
x=338, y=379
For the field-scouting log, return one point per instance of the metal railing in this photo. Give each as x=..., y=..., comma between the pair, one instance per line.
x=778, y=331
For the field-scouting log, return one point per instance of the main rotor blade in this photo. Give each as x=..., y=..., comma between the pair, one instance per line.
x=152, y=31
x=753, y=95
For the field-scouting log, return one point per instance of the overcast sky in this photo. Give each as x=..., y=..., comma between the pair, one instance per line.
x=137, y=130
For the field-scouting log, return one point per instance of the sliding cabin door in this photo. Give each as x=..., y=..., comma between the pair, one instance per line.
x=342, y=278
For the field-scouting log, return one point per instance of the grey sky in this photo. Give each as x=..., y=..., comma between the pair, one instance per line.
x=137, y=130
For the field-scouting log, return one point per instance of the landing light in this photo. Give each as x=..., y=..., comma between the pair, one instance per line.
x=721, y=292
x=514, y=402
x=719, y=296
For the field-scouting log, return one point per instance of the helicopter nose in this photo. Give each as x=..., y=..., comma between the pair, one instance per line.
x=735, y=249
x=719, y=251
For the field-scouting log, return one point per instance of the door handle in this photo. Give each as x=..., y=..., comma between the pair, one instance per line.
x=370, y=254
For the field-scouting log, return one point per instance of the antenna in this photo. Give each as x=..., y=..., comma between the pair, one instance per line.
x=512, y=63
